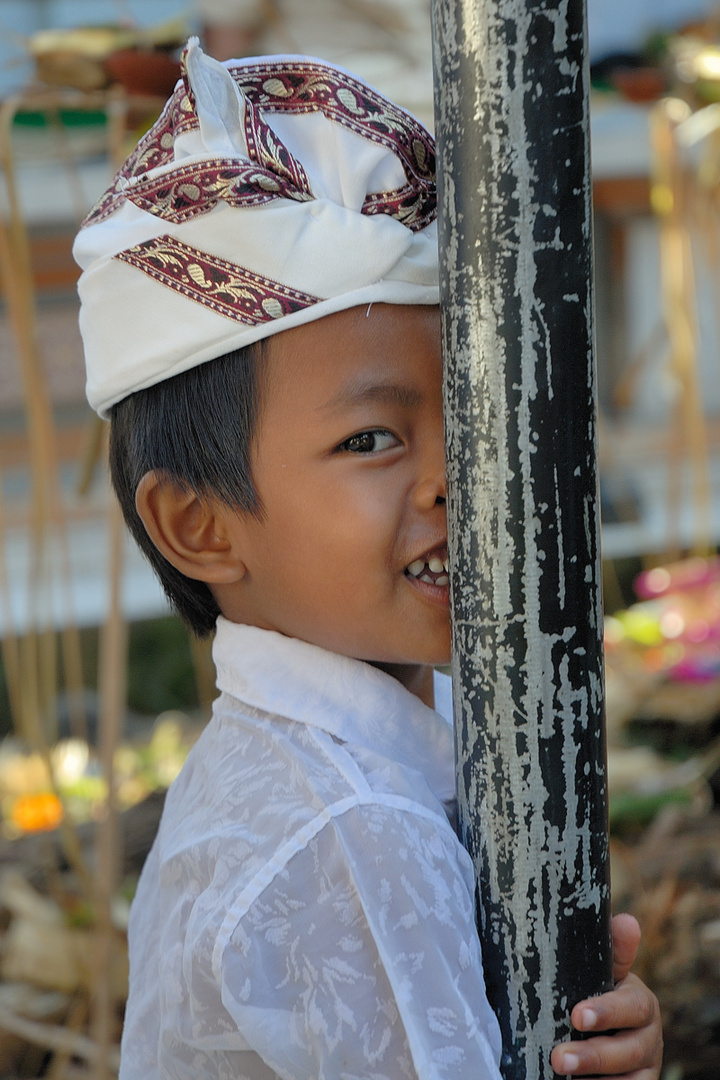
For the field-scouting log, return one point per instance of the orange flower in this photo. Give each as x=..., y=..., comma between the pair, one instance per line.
x=36, y=813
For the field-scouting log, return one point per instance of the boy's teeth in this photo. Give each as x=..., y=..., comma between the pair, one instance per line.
x=422, y=569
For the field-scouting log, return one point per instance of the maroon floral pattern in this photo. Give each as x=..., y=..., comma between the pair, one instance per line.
x=229, y=289
x=268, y=151
x=305, y=87
x=196, y=189
x=154, y=149
x=273, y=172
x=404, y=204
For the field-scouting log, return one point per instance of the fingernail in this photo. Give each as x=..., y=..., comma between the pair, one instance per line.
x=589, y=1019
x=571, y=1063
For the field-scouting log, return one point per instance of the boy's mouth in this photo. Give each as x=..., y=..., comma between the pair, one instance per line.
x=432, y=568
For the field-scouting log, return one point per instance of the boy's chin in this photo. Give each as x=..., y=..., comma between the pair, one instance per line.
x=433, y=658
x=395, y=666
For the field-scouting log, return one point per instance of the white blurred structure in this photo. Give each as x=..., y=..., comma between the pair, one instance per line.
x=623, y=25
x=389, y=44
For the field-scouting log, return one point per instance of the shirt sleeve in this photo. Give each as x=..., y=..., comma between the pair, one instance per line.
x=360, y=959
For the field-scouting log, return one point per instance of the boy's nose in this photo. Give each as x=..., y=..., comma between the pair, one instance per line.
x=432, y=488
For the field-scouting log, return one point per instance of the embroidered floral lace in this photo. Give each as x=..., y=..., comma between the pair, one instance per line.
x=307, y=910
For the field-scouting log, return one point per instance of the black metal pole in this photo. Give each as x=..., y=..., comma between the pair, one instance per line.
x=512, y=122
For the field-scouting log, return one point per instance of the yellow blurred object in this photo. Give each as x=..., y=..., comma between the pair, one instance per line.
x=131, y=791
x=59, y=957
x=37, y=813
x=707, y=63
x=697, y=64
x=94, y=42
x=77, y=57
x=641, y=624
x=97, y=42
x=41, y=948
x=22, y=773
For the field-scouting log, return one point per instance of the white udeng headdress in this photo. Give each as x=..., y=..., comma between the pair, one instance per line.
x=271, y=191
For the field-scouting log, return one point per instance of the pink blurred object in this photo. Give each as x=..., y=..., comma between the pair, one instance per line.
x=677, y=577
x=696, y=669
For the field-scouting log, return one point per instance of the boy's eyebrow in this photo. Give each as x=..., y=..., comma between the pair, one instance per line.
x=361, y=393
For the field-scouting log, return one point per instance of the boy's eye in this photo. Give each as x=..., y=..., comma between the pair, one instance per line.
x=369, y=442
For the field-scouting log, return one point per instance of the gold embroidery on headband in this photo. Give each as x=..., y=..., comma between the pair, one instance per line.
x=155, y=148
x=290, y=86
x=306, y=87
x=228, y=289
x=180, y=194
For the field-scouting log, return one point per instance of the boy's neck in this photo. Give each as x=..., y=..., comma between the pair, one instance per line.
x=417, y=678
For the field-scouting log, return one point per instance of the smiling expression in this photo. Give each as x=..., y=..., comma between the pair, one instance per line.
x=351, y=550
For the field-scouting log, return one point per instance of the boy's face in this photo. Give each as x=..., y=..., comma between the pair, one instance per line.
x=349, y=465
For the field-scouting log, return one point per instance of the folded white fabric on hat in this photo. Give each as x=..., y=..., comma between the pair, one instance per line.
x=270, y=192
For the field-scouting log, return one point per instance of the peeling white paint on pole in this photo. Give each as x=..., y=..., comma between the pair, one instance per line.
x=515, y=227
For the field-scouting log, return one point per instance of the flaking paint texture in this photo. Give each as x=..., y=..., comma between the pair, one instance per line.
x=515, y=227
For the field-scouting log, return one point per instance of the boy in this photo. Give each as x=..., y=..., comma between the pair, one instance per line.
x=306, y=910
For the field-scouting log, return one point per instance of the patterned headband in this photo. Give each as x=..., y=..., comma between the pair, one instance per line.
x=270, y=192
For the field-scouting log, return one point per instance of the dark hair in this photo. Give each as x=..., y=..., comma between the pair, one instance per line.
x=196, y=430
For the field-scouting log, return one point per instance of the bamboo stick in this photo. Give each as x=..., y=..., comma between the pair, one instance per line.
x=113, y=693
x=47, y=504
x=57, y=1038
x=673, y=194
x=9, y=645
x=75, y=1020
x=20, y=298
x=37, y=665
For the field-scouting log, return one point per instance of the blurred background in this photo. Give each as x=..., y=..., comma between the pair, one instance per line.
x=102, y=691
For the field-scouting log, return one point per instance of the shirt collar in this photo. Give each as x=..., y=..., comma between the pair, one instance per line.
x=347, y=698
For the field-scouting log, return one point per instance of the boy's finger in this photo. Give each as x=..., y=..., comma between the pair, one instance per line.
x=630, y=1054
x=626, y=938
x=630, y=1005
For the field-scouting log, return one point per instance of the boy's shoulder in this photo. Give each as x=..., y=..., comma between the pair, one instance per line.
x=299, y=736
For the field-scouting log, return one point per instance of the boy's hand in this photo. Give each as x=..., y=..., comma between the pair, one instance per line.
x=631, y=1011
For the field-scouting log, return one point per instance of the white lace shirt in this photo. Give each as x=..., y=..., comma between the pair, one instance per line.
x=306, y=911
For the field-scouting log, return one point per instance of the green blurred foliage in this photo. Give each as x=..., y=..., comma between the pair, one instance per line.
x=160, y=669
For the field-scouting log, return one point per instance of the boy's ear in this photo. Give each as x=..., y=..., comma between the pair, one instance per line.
x=191, y=533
